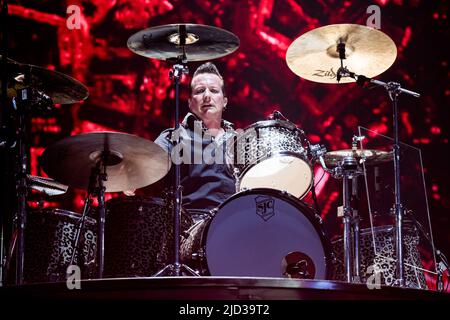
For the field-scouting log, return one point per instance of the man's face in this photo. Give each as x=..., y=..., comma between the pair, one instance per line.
x=207, y=100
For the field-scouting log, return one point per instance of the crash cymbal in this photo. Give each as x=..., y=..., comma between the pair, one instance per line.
x=61, y=88
x=133, y=162
x=370, y=157
x=46, y=185
x=314, y=56
x=201, y=42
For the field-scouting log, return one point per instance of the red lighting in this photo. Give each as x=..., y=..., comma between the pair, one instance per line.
x=328, y=121
x=327, y=207
x=406, y=37
x=435, y=130
x=406, y=122
x=436, y=197
x=35, y=153
x=379, y=128
x=323, y=176
x=88, y=126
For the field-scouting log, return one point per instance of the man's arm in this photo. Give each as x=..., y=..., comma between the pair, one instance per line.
x=164, y=140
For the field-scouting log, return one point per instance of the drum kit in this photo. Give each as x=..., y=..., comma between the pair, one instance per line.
x=264, y=230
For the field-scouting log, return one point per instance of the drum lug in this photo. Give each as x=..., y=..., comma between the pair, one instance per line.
x=213, y=212
x=319, y=218
x=185, y=234
x=199, y=255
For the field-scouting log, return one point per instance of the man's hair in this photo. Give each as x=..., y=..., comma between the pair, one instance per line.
x=210, y=67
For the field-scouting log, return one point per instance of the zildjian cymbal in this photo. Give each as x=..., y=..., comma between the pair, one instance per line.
x=183, y=42
x=61, y=88
x=315, y=56
x=370, y=157
x=131, y=162
x=46, y=185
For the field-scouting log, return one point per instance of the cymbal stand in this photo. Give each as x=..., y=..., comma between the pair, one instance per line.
x=26, y=98
x=102, y=176
x=394, y=89
x=176, y=268
x=4, y=125
x=86, y=209
x=21, y=184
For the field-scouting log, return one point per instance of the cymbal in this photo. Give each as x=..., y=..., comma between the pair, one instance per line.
x=61, y=88
x=368, y=156
x=133, y=162
x=314, y=56
x=46, y=185
x=202, y=42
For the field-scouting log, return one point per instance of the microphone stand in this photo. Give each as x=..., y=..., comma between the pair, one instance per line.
x=394, y=89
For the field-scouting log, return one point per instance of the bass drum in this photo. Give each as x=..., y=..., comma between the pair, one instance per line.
x=259, y=233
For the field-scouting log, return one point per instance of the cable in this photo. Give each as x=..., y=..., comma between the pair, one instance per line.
x=323, y=174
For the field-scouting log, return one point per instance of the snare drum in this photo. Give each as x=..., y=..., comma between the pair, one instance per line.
x=273, y=154
x=49, y=243
x=259, y=233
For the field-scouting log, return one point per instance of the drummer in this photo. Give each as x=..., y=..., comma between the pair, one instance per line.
x=202, y=135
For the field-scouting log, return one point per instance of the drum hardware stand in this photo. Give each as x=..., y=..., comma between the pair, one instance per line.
x=178, y=69
x=441, y=268
x=348, y=170
x=21, y=187
x=26, y=98
x=86, y=208
x=4, y=125
x=394, y=89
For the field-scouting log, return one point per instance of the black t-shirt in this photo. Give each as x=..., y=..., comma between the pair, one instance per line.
x=205, y=176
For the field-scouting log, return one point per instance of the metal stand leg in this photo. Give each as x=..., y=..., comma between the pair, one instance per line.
x=176, y=268
x=349, y=172
x=347, y=229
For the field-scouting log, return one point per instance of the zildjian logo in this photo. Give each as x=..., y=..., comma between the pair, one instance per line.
x=325, y=73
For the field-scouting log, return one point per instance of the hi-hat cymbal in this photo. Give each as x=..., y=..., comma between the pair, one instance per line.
x=201, y=42
x=61, y=88
x=314, y=56
x=370, y=157
x=133, y=162
x=46, y=185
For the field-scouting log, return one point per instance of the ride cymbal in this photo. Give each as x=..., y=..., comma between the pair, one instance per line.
x=132, y=162
x=183, y=42
x=314, y=55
